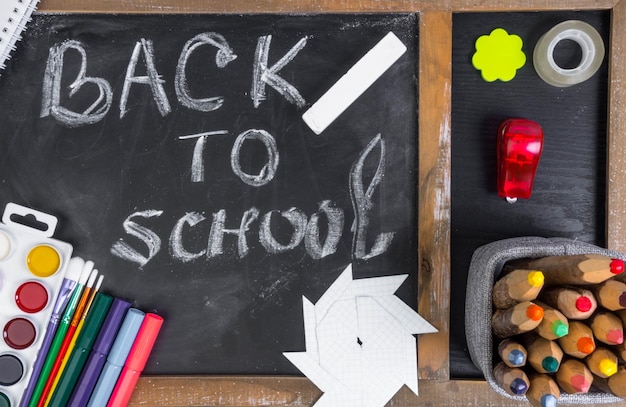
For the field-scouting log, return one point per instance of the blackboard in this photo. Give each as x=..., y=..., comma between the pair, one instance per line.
x=102, y=169
x=569, y=192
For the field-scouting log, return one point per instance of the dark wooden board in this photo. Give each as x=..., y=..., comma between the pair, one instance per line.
x=569, y=192
x=234, y=312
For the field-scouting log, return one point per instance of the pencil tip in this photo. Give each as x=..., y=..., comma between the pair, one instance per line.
x=549, y=400
x=617, y=266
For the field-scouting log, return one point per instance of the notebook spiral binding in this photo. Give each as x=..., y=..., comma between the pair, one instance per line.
x=14, y=15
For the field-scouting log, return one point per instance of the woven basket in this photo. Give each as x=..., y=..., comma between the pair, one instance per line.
x=485, y=266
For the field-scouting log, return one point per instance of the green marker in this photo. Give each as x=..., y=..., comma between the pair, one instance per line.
x=59, y=336
x=84, y=343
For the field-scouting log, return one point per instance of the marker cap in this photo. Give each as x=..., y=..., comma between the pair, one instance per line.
x=111, y=324
x=93, y=323
x=145, y=341
x=126, y=337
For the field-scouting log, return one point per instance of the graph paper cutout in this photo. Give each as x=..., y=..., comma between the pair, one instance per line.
x=360, y=348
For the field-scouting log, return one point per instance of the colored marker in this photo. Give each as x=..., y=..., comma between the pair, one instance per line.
x=136, y=360
x=38, y=395
x=543, y=391
x=574, y=377
x=512, y=353
x=84, y=344
x=356, y=81
x=517, y=286
x=92, y=369
x=520, y=318
x=65, y=351
x=512, y=379
x=115, y=361
x=72, y=276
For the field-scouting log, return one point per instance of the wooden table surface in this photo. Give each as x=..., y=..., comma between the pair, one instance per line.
x=436, y=387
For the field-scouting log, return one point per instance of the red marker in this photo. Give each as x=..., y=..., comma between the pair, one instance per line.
x=136, y=360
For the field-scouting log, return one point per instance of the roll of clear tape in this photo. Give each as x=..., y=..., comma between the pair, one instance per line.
x=590, y=43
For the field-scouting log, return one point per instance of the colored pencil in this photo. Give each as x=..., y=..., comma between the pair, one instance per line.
x=607, y=328
x=520, y=318
x=75, y=268
x=543, y=391
x=512, y=379
x=543, y=355
x=579, y=342
x=622, y=315
x=620, y=350
x=512, y=353
x=577, y=269
x=615, y=384
x=65, y=351
x=554, y=324
x=574, y=302
x=602, y=363
x=38, y=395
x=611, y=294
x=517, y=286
x=574, y=377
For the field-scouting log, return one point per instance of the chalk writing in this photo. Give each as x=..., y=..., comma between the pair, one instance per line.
x=197, y=162
x=296, y=228
x=51, y=95
x=223, y=57
x=264, y=75
x=363, y=204
x=152, y=78
x=267, y=172
x=147, y=236
x=302, y=229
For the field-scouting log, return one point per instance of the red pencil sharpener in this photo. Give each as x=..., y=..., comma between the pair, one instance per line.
x=520, y=142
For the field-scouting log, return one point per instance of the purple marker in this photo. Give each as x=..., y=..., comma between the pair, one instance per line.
x=74, y=269
x=100, y=351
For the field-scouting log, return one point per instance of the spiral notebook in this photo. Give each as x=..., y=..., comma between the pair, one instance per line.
x=14, y=15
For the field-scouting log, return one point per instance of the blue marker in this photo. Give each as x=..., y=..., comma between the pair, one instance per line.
x=115, y=361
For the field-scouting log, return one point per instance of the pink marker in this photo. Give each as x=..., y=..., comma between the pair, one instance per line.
x=136, y=360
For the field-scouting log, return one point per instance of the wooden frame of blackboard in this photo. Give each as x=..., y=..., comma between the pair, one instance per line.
x=435, y=67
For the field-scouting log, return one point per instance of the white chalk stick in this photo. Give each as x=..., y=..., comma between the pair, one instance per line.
x=352, y=85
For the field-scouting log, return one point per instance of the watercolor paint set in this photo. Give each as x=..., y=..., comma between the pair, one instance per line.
x=32, y=268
